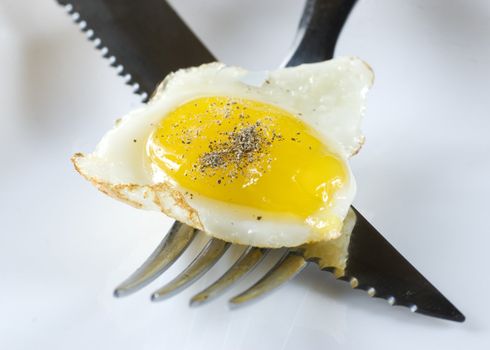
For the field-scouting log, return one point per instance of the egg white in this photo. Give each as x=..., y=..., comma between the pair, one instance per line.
x=328, y=96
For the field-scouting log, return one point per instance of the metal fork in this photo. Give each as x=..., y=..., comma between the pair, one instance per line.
x=317, y=34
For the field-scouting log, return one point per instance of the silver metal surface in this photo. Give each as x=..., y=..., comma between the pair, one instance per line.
x=289, y=266
x=209, y=255
x=245, y=263
x=169, y=250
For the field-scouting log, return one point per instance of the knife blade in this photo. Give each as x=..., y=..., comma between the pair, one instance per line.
x=147, y=38
x=150, y=40
x=365, y=259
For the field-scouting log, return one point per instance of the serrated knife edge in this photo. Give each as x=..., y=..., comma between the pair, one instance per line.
x=343, y=274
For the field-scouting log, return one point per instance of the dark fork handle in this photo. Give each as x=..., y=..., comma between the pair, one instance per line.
x=319, y=30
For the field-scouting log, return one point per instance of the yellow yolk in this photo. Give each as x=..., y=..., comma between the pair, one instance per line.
x=248, y=153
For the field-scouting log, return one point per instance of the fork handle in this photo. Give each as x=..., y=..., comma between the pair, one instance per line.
x=319, y=29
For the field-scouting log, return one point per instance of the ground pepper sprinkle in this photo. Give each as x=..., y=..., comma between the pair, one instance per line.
x=242, y=148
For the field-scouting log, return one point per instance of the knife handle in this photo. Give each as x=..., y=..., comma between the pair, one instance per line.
x=318, y=31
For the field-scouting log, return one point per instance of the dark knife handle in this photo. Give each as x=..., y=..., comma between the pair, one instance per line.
x=319, y=30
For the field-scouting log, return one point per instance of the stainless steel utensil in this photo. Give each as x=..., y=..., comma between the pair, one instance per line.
x=147, y=40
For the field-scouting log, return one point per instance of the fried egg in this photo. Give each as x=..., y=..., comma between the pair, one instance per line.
x=262, y=164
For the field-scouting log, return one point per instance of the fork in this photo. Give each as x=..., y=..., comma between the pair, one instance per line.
x=138, y=45
x=317, y=34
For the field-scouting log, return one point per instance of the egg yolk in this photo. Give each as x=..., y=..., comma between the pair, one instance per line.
x=248, y=153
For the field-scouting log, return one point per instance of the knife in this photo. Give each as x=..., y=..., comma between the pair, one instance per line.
x=146, y=38
x=149, y=40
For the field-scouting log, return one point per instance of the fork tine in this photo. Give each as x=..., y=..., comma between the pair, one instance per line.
x=245, y=263
x=171, y=247
x=286, y=268
x=211, y=253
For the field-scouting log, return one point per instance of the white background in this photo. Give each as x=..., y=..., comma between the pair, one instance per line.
x=423, y=180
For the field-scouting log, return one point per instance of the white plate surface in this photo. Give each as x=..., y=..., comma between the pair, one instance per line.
x=423, y=180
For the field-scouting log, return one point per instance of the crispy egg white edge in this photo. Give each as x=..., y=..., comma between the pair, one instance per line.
x=334, y=92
